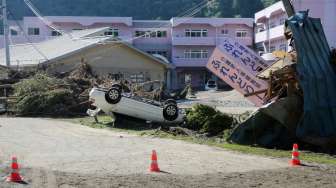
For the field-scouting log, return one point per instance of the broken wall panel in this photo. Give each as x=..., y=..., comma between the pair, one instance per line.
x=317, y=79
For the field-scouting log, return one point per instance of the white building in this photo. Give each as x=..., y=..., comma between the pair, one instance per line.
x=269, y=34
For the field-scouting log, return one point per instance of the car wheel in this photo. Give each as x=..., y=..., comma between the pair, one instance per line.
x=117, y=86
x=170, y=112
x=113, y=96
x=170, y=101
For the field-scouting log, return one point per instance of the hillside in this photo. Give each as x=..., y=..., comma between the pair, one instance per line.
x=139, y=9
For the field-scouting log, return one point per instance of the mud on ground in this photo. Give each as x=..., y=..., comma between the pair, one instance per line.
x=303, y=177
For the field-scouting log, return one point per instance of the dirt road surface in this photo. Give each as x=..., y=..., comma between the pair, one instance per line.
x=61, y=154
x=231, y=102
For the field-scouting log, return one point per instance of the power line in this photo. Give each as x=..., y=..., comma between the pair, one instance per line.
x=26, y=37
x=45, y=21
x=188, y=14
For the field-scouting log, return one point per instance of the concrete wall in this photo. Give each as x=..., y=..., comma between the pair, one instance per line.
x=114, y=59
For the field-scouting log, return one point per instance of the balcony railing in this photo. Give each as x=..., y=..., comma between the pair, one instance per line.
x=183, y=62
x=275, y=32
x=243, y=40
x=209, y=41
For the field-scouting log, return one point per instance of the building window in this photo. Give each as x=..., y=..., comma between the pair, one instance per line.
x=241, y=33
x=151, y=34
x=137, y=78
x=225, y=32
x=196, y=32
x=13, y=32
x=161, y=34
x=140, y=33
x=196, y=54
x=33, y=31
x=112, y=32
x=283, y=47
x=163, y=53
x=55, y=33
x=272, y=49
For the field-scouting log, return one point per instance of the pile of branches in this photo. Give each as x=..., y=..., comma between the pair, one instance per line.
x=56, y=95
x=44, y=95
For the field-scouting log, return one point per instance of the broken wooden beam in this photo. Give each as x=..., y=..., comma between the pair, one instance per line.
x=255, y=93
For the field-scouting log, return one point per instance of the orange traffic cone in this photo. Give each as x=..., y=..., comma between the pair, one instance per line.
x=15, y=175
x=295, y=156
x=154, y=167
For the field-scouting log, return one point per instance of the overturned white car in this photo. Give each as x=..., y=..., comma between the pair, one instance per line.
x=115, y=101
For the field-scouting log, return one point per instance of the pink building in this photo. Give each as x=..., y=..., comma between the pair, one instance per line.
x=193, y=41
x=270, y=23
x=185, y=42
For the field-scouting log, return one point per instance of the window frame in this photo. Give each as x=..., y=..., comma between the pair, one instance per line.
x=112, y=32
x=241, y=32
x=196, y=33
x=225, y=32
x=33, y=31
x=14, y=32
x=55, y=33
x=196, y=54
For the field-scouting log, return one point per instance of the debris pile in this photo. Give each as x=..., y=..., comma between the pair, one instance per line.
x=39, y=93
x=58, y=95
x=44, y=95
x=302, y=83
x=156, y=90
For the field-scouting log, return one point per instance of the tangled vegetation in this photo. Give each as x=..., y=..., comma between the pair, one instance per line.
x=42, y=94
x=207, y=120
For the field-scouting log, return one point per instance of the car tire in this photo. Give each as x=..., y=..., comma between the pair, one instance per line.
x=113, y=96
x=170, y=112
x=170, y=101
x=117, y=86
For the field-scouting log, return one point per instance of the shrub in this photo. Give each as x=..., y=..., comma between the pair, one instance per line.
x=207, y=120
x=198, y=115
x=217, y=123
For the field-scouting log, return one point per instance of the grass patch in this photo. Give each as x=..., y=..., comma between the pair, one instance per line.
x=105, y=122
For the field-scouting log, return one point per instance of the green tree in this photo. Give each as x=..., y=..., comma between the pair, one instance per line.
x=139, y=9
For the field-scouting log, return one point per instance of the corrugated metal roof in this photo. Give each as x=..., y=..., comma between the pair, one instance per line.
x=51, y=50
x=317, y=78
x=28, y=54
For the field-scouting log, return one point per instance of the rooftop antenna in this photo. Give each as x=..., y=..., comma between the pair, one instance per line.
x=6, y=31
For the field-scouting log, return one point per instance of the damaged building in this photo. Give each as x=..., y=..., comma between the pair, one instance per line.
x=106, y=55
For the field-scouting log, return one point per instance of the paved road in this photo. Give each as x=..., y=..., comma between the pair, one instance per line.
x=67, y=147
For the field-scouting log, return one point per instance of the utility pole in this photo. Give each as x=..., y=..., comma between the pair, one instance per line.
x=289, y=8
x=6, y=31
